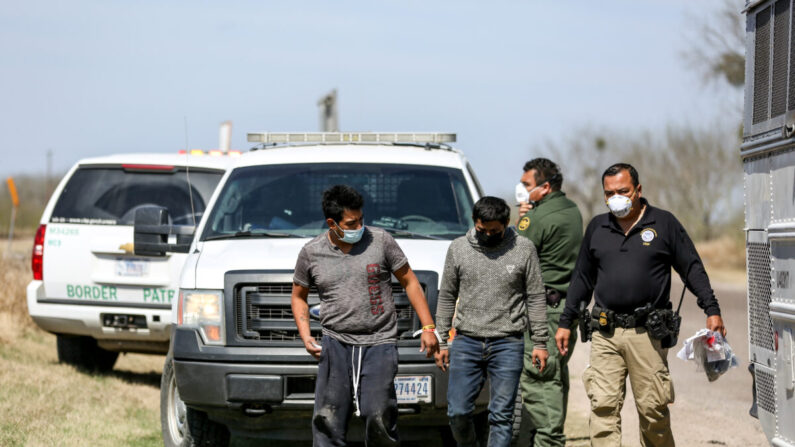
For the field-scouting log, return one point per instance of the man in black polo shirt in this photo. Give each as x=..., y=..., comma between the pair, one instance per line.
x=625, y=261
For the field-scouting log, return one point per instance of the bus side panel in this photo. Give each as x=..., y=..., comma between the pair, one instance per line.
x=757, y=197
x=781, y=234
x=757, y=193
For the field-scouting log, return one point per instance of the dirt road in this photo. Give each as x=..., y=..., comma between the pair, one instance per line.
x=704, y=413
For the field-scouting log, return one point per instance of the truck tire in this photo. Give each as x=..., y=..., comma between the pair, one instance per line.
x=173, y=422
x=183, y=426
x=204, y=432
x=83, y=353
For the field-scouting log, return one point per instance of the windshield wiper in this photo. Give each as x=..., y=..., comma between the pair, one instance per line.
x=399, y=232
x=248, y=234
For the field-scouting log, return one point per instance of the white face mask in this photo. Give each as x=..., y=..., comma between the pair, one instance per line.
x=522, y=194
x=619, y=205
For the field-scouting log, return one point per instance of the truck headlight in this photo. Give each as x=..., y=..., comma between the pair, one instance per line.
x=203, y=310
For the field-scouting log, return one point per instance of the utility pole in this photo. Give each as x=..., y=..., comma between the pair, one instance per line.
x=329, y=121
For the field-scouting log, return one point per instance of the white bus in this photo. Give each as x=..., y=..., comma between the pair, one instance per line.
x=768, y=156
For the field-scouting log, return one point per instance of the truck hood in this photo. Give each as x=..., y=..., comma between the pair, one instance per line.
x=218, y=257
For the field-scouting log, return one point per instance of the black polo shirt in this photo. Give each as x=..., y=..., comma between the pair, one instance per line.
x=627, y=272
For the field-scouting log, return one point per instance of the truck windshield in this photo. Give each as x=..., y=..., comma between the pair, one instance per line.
x=408, y=201
x=110, y=195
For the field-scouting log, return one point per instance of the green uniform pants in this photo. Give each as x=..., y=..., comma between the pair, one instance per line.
x=545, y=394
x=629, y=352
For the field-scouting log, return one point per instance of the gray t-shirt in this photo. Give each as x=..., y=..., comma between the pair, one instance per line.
x=355, y=288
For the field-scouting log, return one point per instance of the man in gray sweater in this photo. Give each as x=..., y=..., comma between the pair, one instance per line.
x=496, y=279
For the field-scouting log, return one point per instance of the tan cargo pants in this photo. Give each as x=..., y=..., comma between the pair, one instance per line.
x=629, y=352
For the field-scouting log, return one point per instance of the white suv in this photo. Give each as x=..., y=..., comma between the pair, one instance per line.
x=88, y=287
x=236, y=363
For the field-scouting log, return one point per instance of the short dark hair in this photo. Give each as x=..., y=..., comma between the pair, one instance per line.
x=339, y=198
x=617, y=168
x=489, y=208
x=546, y=171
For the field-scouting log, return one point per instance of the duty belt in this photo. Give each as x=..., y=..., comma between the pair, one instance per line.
x=604, y=319
x=628, y=321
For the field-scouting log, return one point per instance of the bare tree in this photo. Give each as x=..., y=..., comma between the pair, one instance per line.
x=582, y=158
x=718, y=46
x=693, y=172
x=690, y=171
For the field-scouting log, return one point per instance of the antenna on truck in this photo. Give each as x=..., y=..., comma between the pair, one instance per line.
x=187, y=172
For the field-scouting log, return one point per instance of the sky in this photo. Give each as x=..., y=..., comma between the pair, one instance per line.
x=88, y=78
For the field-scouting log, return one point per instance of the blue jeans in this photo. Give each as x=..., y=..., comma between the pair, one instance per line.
x=471, y=361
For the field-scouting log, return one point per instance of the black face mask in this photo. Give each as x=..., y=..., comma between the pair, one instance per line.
x=488, y=240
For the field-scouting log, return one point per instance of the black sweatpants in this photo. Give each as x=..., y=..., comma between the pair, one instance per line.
x=339, y=369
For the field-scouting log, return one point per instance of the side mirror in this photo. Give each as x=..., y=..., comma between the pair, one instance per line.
x=155, y=237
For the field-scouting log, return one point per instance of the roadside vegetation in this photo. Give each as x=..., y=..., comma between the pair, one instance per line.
x=44, y=403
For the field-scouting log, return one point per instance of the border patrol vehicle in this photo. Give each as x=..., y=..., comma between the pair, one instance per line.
x=88, y=287
x=768, y=155
x=236, y=364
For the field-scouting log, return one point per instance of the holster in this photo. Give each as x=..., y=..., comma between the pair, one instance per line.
x=663, y=325
x=554, y=297
x=584, y=322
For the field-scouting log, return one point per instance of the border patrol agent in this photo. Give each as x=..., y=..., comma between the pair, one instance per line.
x=554, y=224
x=625, y=261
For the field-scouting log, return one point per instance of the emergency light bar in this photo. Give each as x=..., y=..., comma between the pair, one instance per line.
x=211, y=153
x=351, y=137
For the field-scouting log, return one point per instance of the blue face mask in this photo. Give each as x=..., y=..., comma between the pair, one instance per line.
x=350, y=236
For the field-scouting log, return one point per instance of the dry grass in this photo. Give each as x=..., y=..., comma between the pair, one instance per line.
x=727, y=252
x=44, y=403
x=15, y=275
x=724, y=259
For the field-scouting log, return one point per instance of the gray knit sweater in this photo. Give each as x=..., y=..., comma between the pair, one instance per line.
x=499, y=289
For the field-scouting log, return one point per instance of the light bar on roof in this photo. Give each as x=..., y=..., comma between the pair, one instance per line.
x=351, y=137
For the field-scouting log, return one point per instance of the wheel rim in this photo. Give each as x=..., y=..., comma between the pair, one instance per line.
x=176, y=413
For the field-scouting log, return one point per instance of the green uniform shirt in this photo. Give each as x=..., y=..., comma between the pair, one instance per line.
x=555, y=227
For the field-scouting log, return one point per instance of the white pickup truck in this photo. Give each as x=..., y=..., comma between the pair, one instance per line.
x=236, y=363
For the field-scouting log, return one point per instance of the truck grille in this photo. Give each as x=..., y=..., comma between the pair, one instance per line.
x=759, y=295
x=263, y=312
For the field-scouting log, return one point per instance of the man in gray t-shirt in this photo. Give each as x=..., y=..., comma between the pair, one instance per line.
x=352, y=268
x=356, y=287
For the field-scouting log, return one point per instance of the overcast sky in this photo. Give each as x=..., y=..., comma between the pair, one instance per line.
x=87, y=78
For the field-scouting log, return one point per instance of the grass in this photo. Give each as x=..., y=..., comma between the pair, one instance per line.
x=44, y=403
x=724, y=259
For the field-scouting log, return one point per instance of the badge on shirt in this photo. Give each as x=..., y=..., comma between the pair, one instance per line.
x=524, y=223
x=647, y=235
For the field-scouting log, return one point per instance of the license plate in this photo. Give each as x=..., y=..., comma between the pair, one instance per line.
x=413, y=389
x=132, y=267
